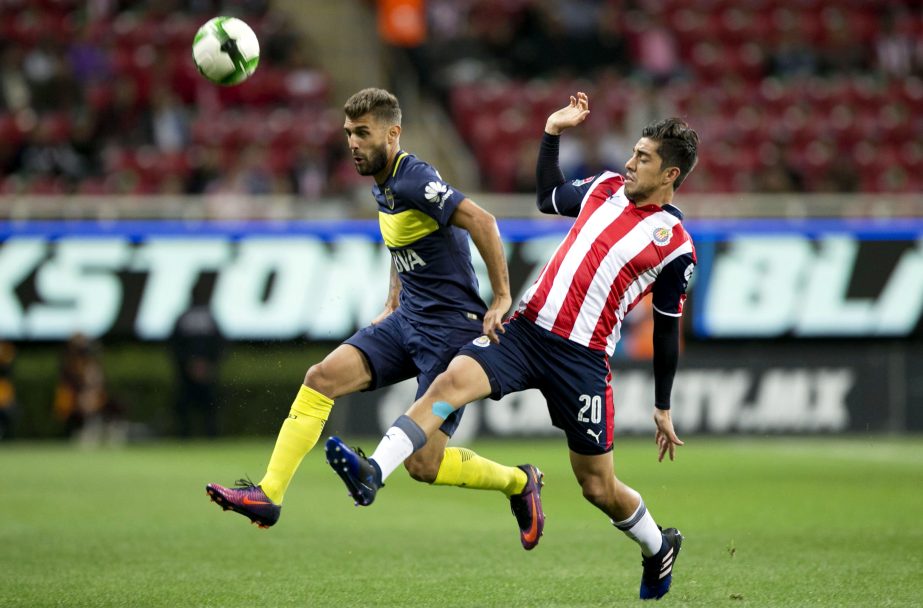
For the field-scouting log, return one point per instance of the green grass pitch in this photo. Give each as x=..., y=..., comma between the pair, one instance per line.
x=768, y=522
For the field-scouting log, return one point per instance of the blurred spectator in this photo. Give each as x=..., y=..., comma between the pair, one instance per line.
x=656, y=51
x=775, y=175
x=85, y=142
x=250, y=174
x=206, y=168
x=841, y=53
x=169, y=121
x=50, y=78
x=87, y=58
x=82, y=402
x=14, y=89
x=8, y=408
x=610, y=50
x=124, y=120
x=580, y=155
x=841, y=177
x=894, y=46
x=774, y=179
x=309, y=172
x=198, y=349
x=49, y=153
x=792, y=56
x=579, y=22
x=524, y=177
x=536, y=48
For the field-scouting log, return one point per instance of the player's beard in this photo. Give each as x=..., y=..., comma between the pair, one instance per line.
x=637, y=194
x=374, y=161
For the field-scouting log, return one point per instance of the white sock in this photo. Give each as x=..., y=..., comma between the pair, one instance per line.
x=642, y=529
x=394, y=447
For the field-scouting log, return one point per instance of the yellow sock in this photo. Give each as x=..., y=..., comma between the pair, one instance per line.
x=462, y=467
x=299, y=432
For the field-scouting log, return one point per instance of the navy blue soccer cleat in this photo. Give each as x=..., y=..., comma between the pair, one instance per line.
x=658, y=569
x=361, y=477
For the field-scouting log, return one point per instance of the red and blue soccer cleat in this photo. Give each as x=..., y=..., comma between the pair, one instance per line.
x=361, y=477
x=247, y=499
x=657, y=574
x=527, y=507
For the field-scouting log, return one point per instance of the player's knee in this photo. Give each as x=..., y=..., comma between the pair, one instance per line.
x=595, y=490
x=319, y=379
x=421, y=468
x=444, y=386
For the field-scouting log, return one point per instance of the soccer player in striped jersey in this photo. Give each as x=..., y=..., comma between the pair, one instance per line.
x=627, y=241
x=433, y=308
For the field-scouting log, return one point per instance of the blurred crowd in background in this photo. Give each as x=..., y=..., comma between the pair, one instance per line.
x=102, y=97
x=798, y=96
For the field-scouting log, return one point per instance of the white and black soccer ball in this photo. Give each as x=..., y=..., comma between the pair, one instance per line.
x=226, y=51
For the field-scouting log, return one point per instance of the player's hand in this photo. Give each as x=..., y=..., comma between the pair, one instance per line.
x=569, y=116
x=665, y=437
x=384, y=314
x=493, y=318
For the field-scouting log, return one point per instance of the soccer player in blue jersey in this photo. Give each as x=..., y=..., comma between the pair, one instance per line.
x=627, y=241
x=433, y=308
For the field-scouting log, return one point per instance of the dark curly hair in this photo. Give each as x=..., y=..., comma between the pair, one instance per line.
x=678, y=145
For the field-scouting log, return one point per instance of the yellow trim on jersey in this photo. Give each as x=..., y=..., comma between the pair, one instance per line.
x=406, y=227
x=397, y=163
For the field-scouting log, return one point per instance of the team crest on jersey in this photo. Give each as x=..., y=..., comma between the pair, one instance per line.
x=389, y=197
x=437, y=193
x=483, y=342
x=662, y=236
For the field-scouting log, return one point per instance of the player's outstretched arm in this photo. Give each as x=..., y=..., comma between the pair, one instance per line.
x=666, y=357
x=394, y=297
x=569, y=116
x=482, y=226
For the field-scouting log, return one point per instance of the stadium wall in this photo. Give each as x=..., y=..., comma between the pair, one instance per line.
x=793, y=326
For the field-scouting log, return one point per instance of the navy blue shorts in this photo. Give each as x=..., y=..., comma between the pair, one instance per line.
x=400, y=348
x=573, y=379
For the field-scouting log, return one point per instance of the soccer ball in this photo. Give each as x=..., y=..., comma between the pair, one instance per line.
x=225, y=50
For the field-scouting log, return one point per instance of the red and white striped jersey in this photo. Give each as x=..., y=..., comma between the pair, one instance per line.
x=613, y=255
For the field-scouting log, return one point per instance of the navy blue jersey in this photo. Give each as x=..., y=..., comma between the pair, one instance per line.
x=432, y=257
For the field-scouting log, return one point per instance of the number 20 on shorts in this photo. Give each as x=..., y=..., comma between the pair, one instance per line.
x=593, y=404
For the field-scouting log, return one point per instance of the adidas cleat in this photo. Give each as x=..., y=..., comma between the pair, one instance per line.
x=356, y=471
x=657, y=574
x=527, y=507
x=247, y=499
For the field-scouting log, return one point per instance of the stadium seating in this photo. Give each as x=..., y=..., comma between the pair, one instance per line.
x=779, y=83
x=116, y=64
x=753, y=72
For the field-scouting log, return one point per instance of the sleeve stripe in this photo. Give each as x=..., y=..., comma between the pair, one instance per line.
x=553, y=203
x=668, y=314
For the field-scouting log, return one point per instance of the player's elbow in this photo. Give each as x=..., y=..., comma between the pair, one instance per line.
x=545, y=202
x=484, y=224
